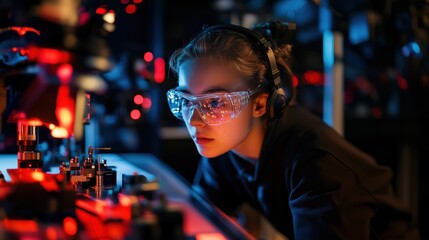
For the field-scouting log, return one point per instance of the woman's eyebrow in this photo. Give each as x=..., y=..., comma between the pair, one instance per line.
x=209, y=90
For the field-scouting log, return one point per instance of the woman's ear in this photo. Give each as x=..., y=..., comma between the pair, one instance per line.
x=260, y=105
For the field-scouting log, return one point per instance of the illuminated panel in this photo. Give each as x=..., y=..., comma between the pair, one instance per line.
x=159, y=74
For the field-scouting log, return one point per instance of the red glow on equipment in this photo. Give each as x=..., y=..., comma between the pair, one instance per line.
x=125, y=201
x=38, y=176
x=46, y=55
x=101, y=10
x=147, y=103
x=51, y=233
x=65, y=107
x=23, y=52
x=59, y=132
x=138, y=99
x=64, y=73
x=209, y=236
x=125, y=1
x=313, y=78
x=23, y=30
x=70, y=226
x=148, y=57
x=137, y=1
x=65, y=116
x=135, y=114
x=294, y=81
x=159, y=74
x=24, y=226
x=31, y=121
x=52, y=56
x=131, y=9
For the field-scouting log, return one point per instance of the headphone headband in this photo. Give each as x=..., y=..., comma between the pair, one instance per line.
x=278, y=98
x=263, y=44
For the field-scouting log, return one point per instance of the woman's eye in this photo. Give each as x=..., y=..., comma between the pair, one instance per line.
x=215, y=103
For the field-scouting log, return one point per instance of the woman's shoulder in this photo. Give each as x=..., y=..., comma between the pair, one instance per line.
x=304, y=135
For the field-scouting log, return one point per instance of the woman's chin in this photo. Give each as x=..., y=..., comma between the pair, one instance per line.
x=209, y=154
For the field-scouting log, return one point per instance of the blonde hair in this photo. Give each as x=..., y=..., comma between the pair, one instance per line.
x=236, y=51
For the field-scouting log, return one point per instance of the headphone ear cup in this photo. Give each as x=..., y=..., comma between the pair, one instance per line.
x=276, y=103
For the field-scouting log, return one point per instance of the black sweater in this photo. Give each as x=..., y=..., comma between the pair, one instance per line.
x=310, y=183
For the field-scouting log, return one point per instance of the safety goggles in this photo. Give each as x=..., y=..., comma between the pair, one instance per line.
x=214, y=108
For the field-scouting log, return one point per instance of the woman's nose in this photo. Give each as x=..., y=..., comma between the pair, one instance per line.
x=195, y=117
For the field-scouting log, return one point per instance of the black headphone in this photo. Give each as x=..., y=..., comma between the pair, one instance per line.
x=278, y=98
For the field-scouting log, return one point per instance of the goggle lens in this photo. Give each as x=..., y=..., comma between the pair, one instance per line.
x=214, y=108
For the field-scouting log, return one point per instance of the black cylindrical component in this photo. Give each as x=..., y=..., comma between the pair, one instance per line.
x=28, y=156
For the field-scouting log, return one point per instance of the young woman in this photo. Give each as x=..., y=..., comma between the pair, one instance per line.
x=234, y=96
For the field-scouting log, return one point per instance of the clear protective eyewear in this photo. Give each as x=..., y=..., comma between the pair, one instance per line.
x=214, y=108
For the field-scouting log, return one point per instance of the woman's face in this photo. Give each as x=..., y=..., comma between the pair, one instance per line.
x=202, y=76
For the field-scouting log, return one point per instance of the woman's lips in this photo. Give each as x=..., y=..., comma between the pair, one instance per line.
x=202, y=140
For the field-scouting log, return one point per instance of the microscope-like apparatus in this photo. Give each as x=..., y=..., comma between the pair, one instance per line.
x=51, y=54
